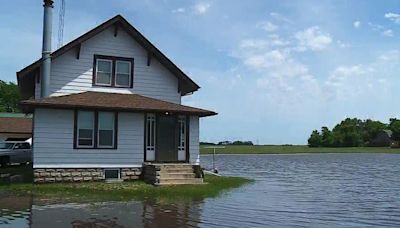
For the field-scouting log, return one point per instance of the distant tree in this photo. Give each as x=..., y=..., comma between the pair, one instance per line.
x=371, y=128
x=315, y=139
x=9, y=97
x=207, y=143
x=348, y=133
x=394, y=126
x=326, y=137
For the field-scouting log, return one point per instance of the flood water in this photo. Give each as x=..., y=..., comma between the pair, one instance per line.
x=315, y=190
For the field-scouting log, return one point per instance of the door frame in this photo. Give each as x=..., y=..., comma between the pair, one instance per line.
x=157, y=115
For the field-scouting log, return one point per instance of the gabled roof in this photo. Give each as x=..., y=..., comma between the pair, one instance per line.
x=113, y=102
x=16, y=125
x=187, y=85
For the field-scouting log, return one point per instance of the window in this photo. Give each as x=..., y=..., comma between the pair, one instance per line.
x=85, y=129
x=22, y=146
x=106, y=129
x=104, y=72
x=95, y=129
x=182, y=133
x=123, y=73
x=112, y=174
x=150, y=137
x=113, y=71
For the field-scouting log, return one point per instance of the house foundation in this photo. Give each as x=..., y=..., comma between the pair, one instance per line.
x=82, y=175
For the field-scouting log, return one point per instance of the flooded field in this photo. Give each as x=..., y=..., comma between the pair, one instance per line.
x=316, y=190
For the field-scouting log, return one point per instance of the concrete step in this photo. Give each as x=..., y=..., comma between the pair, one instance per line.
x=177, y=175
x=180, y=181
x=187, y=169
x=171, y=165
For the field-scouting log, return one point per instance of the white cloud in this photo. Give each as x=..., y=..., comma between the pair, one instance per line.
x=313, y=38
x=393, y=17
x=356, y=24
x=267, y=26
x=202, y=7
x=387, y=32
x=179, y=10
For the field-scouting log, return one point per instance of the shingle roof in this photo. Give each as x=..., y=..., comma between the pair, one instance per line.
x=115, y=102
x=16, y=125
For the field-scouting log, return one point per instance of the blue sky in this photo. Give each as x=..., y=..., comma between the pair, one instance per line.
x=273, y=70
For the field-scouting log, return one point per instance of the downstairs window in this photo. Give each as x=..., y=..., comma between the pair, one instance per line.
x=95, y=129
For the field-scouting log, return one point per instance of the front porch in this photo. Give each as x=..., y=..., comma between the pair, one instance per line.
x=172, y=174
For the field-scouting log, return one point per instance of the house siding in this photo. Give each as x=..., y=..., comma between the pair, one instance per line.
x=72, y=75
x=54, y=135
x=194, y=144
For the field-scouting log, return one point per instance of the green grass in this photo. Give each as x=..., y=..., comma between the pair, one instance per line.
x=128, y=190
x=288, y=149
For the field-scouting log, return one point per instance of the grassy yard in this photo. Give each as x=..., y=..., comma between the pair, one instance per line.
x=287, y=149
x=126, y=190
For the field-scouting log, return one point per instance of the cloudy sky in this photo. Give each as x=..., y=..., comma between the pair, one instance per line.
x=273, y=70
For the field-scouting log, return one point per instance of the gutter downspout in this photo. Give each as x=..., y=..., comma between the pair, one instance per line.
x=46, y=48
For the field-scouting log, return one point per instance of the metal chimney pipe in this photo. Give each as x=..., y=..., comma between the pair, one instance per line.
x=46, y=48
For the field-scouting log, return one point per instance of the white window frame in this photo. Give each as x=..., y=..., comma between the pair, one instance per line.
x=129, y=74
x=97, y=71
x=98, y=131
x=151, y=146
x=182, y=136
x=77, y=130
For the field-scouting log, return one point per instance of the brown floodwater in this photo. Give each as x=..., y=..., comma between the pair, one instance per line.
x=315, y=190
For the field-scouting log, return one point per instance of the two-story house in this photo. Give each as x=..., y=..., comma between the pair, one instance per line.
x=112, y=105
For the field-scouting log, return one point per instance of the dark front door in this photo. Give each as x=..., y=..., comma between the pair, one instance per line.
x=166, y=139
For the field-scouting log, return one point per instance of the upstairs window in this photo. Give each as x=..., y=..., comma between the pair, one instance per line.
x=113, y=71
x=104, y=72
x=123, y=73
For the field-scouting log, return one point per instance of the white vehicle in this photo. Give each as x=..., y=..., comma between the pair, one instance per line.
x=15, y=152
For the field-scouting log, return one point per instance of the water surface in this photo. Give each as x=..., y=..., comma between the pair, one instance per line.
x=310, y=190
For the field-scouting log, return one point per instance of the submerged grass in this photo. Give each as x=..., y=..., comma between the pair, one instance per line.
x=128, y=190
x=294, y=149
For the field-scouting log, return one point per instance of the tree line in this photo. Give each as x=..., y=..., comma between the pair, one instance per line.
x=353, y=132
x=9, y=97
x=237, y=142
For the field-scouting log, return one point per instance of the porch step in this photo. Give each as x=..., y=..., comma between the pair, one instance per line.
x=172, y=174
x=179, y=181
x=177, y=175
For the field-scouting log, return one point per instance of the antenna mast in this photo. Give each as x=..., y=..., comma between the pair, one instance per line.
x=61, y=24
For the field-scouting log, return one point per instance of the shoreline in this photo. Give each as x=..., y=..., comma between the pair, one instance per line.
x=296, y=149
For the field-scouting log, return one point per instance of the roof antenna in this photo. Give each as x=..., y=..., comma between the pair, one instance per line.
x=61, y=24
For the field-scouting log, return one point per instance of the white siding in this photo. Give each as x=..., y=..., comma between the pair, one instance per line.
x=53, y=142
x=72, y=75
x=194, y=144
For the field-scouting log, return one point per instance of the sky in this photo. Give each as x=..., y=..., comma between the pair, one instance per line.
x=273, y=70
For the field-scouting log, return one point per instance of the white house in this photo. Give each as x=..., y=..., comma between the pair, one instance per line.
x=113, y=106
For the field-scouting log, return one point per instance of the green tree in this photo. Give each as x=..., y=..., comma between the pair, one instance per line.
x=9, y=97
x=371, y=128
x=394, y=126
x=348, y=133
x=326, y=137
x=315, y=139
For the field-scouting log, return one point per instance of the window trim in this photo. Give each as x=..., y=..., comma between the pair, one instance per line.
x=95, y=135
x=114, y=59
x=116, y=73
x=98, y=133
x=76, y=139
x=111, y=73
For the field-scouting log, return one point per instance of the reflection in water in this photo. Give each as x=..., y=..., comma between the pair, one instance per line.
x=319, y=190
x=21, y=212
